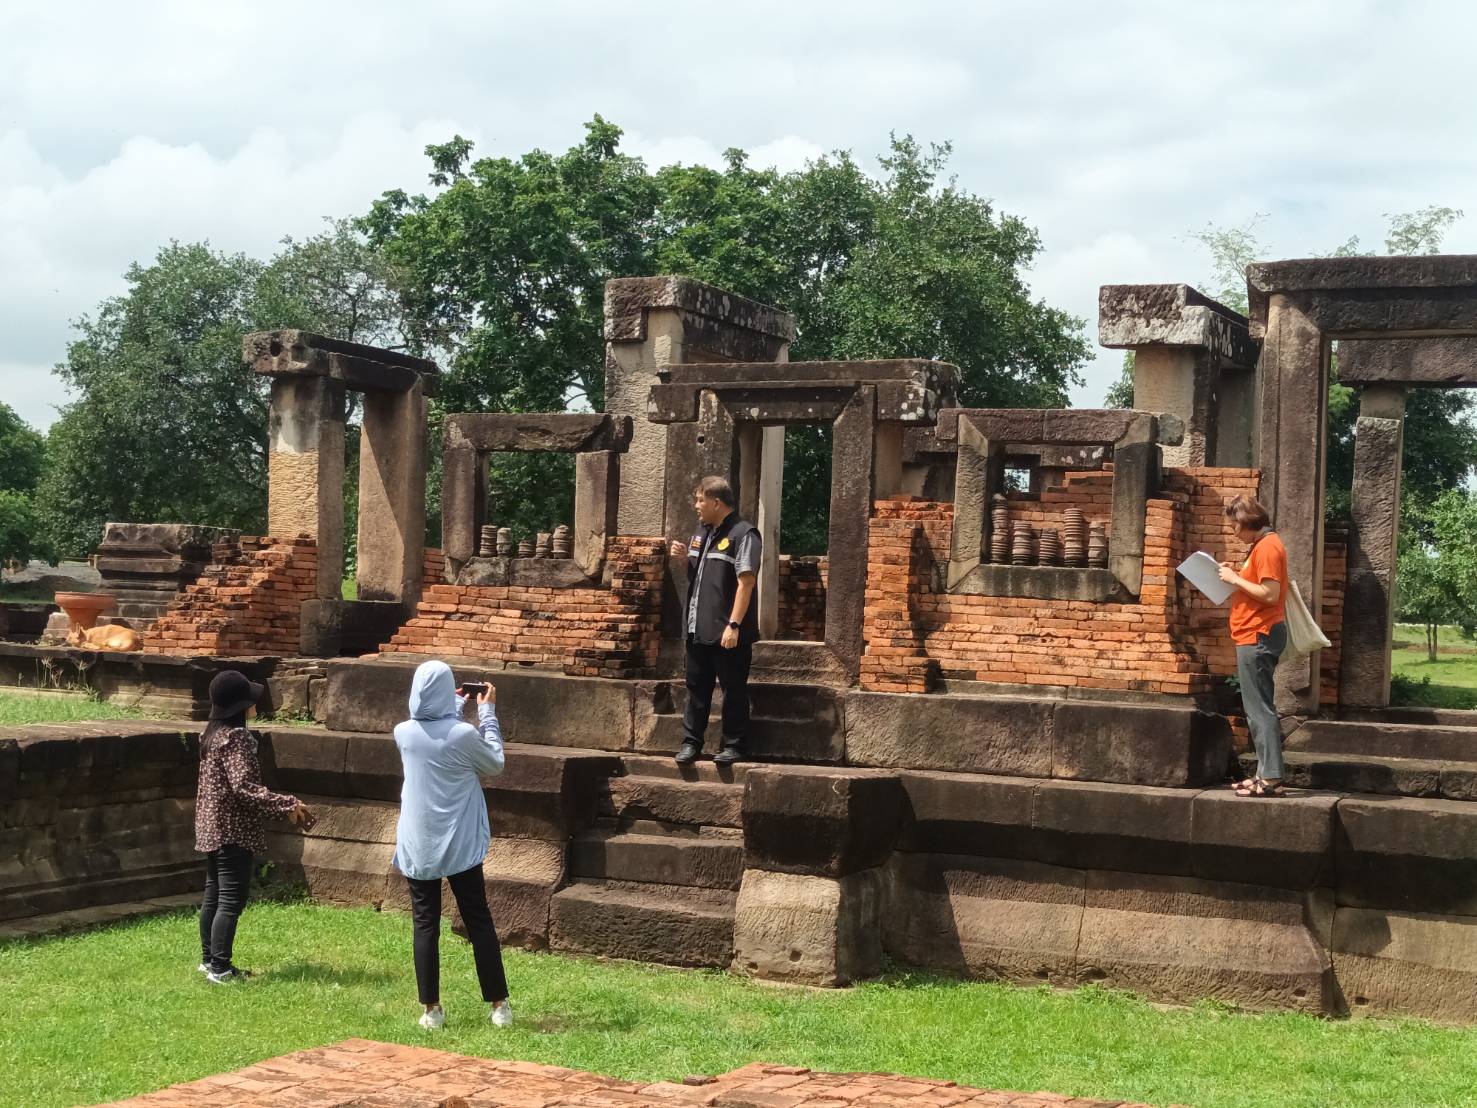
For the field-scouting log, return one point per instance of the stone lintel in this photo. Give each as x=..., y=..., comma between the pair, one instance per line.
x=1372, y=295
x=1062, y=426
x=800, y=401
x=1041, y=583
x=1440, y=361
x=535, y=573
x=629, y=299
x=930, y=374
x=293, y=353
x=1173, y=315
x=554, y=432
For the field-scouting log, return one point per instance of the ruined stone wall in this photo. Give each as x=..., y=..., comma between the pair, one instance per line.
x=608, y=631
x=248, y=601
x=802, y=599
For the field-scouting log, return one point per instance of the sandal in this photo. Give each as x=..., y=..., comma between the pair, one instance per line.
x=1262, y=789
x=1237, y=786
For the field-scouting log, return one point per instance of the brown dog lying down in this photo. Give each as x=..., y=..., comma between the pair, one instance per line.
x=109, y=636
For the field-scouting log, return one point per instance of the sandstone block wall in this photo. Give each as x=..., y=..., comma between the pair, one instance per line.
x=248, y=601
x=608, y=631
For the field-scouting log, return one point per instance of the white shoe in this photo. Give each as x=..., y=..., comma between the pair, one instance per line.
x=501, y=1015
x=203, y=967
x=432, y=1020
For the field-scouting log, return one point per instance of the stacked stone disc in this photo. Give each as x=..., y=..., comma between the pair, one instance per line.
x=525, y=548
x=562, y=542
x=1023, y=546
x=542, y=545
x=505, y=546
x=487, y=544
x=1074, y=538
x=1049, y=552
x=1097, y=547
x=999, y=530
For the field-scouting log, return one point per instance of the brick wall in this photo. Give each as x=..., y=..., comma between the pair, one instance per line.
x=802, y=599
x=248, y=601
x=604, y=631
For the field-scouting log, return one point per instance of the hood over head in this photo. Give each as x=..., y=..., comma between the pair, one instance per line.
x=433, y=692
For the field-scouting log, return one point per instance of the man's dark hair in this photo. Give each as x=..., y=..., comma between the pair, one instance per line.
x=716, y=488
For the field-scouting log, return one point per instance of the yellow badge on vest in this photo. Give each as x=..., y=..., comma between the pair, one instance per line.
x=723, y=544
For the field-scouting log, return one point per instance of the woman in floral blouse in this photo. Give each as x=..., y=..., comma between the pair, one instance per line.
x=230, y=804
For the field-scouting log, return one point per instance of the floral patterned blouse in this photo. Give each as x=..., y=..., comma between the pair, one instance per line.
x=231, y=800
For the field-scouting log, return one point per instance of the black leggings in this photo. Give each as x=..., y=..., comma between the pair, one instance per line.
x=471, y=899
x=227, y=887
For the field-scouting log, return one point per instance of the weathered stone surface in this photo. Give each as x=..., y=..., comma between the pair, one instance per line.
x=1379, y=739
x=1183, y=939
x=813, y=930
x=1138, y=744
x=292, y=353
x=708, y=858
x=546, y=793
x=978, y=735
x=372, y=766
x=304, y=760
x=1369, y=596
x=543, y=432
x=853, y=442
x=629, y=299
x=984, y=917
x=333, y=627
x=525, y=573
x=1446, y=360
x=1289, y=847
x=966, y=813
x=392, y=499
x=1116, y=827
x=1370, y=294
x=1006, y=425
x=335, y=871
x=1172, y=315
x=819, y=821
x=1407, y=855
x=646, y=923
x=1391, y=963
x=685, y=802
x=1040, y=583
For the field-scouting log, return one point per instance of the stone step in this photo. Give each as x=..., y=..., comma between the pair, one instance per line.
x=703, y=771
x=18, y=906
x=674, y=801
x=96, y=916
x=650, y=852
x=1363, y=773
x=1386, y=740
x=674, y=925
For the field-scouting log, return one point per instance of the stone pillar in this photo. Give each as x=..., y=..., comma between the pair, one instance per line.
x=596, y=477
x=1179, y=380
x=767, y=519
x=305, y=466
x=853, y=442
x=1369, y=598
x=392, y=496
x=1291, y=449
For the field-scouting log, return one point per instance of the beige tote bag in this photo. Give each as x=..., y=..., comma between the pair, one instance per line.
x=1303, y=633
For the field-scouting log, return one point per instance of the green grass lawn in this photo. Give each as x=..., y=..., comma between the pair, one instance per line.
x=18, y=706
x=1448, y=682
x=107, y=1013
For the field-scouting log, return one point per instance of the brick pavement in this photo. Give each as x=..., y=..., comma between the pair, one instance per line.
x=365, y=1074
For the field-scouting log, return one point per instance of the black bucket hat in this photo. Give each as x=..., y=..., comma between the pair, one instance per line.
x=231, y=694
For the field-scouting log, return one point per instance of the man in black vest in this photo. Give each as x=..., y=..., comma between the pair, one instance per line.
x=722, y=620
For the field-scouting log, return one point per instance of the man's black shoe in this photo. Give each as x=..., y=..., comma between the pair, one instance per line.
x=728, y=755
x=689, y=752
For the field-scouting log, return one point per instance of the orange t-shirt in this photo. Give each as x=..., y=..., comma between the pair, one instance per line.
x=1249, y=617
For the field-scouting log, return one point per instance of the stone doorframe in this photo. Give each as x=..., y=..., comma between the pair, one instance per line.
x=983, y=435
x=311, y=376
x=597, y=441
x=729, y=419
x=1400, y=323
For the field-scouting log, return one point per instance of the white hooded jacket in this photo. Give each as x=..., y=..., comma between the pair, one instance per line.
x=443, y=816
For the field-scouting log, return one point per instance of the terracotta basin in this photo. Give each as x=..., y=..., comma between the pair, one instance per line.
x=85, y=608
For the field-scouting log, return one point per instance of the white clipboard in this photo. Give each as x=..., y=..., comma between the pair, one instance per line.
x=1204, y=572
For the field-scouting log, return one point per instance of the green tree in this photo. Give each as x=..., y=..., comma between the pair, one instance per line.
x=505, y=270
x=1437, y=571
x=22, y=452
x=167, y=422
x=1120, y=392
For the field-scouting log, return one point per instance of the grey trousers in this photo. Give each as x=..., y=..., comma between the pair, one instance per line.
x=1254, y=665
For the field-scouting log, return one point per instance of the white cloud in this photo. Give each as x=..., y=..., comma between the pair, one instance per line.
x=1113, y=129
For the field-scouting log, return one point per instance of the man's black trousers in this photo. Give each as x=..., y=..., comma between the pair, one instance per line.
x=471, y=900
x=730, y=668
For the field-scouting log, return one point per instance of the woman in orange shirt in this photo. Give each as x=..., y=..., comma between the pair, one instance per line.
x=1260, y=634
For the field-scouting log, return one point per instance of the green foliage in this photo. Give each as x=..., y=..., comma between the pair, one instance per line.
x=119, y=1011
x=1437, y=571
x=19, y=707
x=1420, y=231
x=22, y=452
x=19, y=538
x=1120, y=392
x=168, y=422
x=505, y=269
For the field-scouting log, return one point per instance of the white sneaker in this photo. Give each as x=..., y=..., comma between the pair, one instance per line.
x=433, y=1020
x=501, y=1015
x=203, y=967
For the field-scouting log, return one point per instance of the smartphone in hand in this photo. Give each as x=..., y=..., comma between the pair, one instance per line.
x=473, y=688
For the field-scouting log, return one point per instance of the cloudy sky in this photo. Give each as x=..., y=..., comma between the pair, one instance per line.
x=1115, y=129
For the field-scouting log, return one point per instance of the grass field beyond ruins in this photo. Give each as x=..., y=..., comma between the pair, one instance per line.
x=107, y=1013
x=1448, y=682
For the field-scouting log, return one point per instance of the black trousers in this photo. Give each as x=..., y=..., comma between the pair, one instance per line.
x=730, y=668
x=227, y=887
x=471, y=899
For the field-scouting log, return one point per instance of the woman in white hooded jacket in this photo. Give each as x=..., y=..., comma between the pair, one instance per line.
x=443, y=831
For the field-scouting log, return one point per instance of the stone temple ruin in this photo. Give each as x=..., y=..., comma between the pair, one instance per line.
x=992, y=726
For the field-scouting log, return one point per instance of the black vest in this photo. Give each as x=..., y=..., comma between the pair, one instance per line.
x=720, y=583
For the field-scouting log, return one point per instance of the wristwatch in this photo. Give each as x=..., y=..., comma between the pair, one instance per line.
x=734, y=624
